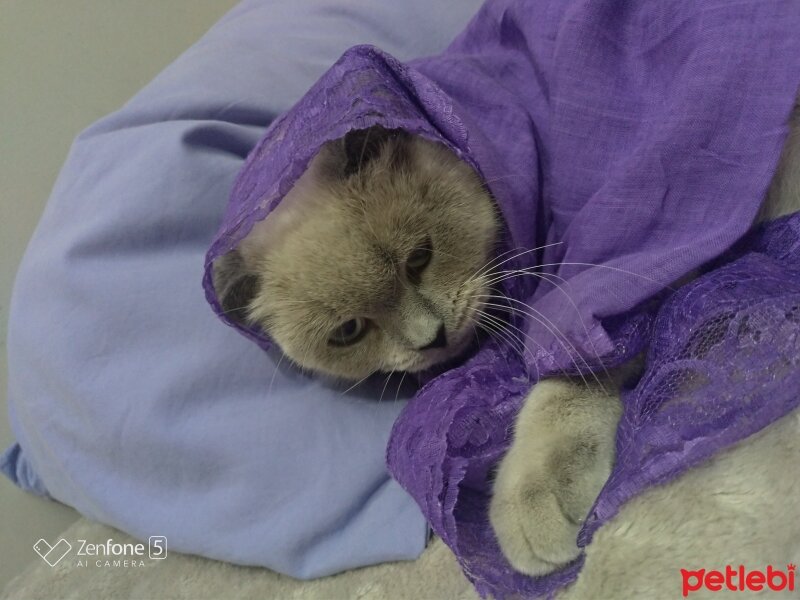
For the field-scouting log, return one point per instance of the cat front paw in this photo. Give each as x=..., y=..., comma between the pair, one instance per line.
x=561, y=456
x=534, y=533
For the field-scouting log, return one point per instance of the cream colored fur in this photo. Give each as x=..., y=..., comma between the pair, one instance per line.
x=731, y=510
x=739, y=508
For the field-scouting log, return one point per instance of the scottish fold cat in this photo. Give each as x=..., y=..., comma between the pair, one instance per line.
x=382, y=258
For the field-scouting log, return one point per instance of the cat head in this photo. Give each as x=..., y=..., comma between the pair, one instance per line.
x=372, y=262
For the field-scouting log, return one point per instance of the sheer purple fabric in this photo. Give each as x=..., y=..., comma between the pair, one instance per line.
x=636, y=141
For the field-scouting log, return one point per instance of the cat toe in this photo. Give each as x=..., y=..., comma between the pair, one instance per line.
x=532, y=530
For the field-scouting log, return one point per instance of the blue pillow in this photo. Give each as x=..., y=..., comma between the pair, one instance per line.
x=129, y=399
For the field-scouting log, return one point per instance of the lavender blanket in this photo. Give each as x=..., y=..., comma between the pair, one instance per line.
x=637, y=140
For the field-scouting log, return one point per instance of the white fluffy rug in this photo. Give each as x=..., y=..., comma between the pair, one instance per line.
x=435, y=575
x=739, y=508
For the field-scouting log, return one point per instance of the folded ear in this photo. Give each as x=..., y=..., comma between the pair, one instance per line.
x=359, y=147
x=235, y=285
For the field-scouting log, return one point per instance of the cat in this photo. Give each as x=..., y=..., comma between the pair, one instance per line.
x=367, y=264
x=377, y=261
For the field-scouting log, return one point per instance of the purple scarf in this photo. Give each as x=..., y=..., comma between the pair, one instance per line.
x=639, y=136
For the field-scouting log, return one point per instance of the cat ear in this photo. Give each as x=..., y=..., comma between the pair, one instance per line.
x=360, y=146
x=236, y=287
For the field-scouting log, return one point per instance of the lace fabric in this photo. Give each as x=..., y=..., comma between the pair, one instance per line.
x=723, y=362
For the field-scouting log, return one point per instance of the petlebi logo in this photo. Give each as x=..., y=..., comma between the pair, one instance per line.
x=52, y=555
x=739, y=579
x=106, y=554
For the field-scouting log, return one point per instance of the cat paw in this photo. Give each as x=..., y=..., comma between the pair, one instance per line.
x=562, y=454
x=534, y=533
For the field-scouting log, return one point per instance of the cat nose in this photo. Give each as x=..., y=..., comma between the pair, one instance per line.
x=440, y=341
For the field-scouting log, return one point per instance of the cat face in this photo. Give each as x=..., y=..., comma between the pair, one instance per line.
x=372, y=262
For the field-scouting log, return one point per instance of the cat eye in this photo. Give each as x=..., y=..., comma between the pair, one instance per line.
x=419, y=259
x=349, y=332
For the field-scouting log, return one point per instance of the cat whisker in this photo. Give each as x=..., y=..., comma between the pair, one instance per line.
x=539, y=317
x=544, y=276
x=599, y=359
x=274, y=373
x=496, y=325
x=482, y=325
x=502, y=275
x=574, y=362
x=308, y=301
x=488, y=267
x=477, y=325
x=383, y=391
x=552, y=328
x=357, y=383
x=504, y=255
x=501, y=325
x=399, y=385
x=230, y=310
x=475, y=331
x=491, y=332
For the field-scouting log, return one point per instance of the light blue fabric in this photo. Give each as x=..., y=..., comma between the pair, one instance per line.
x=130, y=400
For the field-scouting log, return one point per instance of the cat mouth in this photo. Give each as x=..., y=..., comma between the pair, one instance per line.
x=460, y=341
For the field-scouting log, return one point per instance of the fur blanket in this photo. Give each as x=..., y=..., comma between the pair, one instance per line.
x=730, y=511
